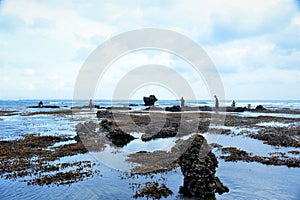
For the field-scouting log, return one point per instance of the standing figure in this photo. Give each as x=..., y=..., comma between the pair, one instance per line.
x=233, y=103
x=216, y=103
x=91, y=104
x=182, y=101
x=40, y=104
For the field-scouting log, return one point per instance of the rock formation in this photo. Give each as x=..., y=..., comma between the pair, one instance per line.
x=198, y=165
x=104, y=114
x=115, y=134
x=173, y=109
x=149, y=101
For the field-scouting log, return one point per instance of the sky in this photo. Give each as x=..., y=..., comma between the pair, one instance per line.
x=254, y=45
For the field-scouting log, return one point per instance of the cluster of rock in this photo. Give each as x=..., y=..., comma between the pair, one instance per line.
x=233, y=108
x=198, y=165
x=115, y=134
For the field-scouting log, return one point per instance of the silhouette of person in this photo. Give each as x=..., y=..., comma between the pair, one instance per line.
x=40, y=104
x=216, y=103
x=91, y=104
x=233, y=103
x=182, y=101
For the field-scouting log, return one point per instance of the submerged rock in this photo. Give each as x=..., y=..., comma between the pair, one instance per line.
x=198, y=165
x=149, y=101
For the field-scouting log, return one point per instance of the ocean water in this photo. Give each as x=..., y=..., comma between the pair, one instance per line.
x=245, y=180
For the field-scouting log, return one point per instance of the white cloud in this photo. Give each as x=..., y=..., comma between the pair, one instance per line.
x=43, y=44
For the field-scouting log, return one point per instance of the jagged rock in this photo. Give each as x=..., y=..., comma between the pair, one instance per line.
x=115, y=134
x=149, y=101
x=198, y=165
x=173, y=109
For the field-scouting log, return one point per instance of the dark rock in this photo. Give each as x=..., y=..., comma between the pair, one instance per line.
x=97, y=106
x=149, y=101
x=198, y=165
x=104, y=114
x=240, y=109
x=132, y=104
x=203, y=126
x=236, y=109
x=260, y=107
x=173, y=109
x=115, y=134
x=205, y=108
x=43, y=107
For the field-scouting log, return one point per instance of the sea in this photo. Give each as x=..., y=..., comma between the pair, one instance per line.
x=245, y=180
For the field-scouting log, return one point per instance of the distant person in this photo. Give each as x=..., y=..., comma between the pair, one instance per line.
x=182, y=101
x=40, y=104
x=91, y=104
x=233, y=103
x=216, y=103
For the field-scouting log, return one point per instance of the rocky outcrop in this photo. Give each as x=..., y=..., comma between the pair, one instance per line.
x=173, y=109
x=260, y=108
x=149, y=101
x=115, y=134
x=198, y=165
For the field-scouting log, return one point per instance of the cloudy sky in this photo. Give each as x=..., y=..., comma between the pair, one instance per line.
x=254, y=45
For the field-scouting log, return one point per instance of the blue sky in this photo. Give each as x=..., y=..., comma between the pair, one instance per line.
x=255, y=45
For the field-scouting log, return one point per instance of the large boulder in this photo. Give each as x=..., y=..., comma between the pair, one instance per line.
x=198, y=165
x=149, y=101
